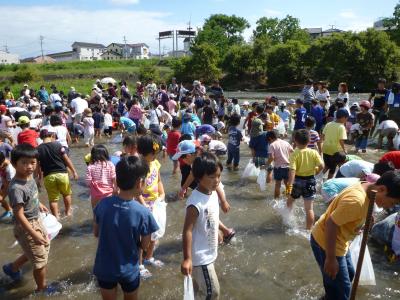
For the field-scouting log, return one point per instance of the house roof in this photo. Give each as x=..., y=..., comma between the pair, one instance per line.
x=314, y=30
x=89, y=45
x=111, y=52
x=129, y=45
x=332, y=30
x=60, y=54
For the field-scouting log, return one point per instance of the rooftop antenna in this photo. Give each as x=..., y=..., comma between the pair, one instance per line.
x=6, y=48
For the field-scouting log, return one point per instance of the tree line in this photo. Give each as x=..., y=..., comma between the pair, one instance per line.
x=282, y=54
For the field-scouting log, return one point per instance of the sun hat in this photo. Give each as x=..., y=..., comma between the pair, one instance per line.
x=205, y=138
x=23, y=120
x=372, y=178
x=160, y=107
x=283, y=103
x=196, y=82
x=88, y=112
x=365, y=103
x=256, y=127
x=246, y=103
x=291, y=101
x=184, y=147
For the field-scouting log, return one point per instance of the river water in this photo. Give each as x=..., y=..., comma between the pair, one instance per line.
x=270, y=257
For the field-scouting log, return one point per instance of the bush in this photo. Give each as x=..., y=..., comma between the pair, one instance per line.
x=148, y=71
x=26, y=73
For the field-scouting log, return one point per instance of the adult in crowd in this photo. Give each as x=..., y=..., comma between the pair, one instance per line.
x=78, y=105
x=307, y=94
x=377, y=99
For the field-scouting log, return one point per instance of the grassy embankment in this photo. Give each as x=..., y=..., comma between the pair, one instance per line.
x=79, y=74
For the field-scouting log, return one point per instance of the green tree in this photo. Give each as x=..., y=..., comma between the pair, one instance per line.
x=280, y=31
x=204, y=63
x=261, y=46
x=222, y=31
x=284, y=63
x=238, y=60
x=393, y=24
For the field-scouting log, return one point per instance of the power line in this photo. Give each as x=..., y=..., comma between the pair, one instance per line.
x=126, y=50
x=41, y=46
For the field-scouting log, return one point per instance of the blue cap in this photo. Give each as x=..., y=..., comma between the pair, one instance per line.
x=184, y=147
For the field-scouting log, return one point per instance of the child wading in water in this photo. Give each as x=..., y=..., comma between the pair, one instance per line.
x=100, y=175
x=200, y=231
x=28, y=229
x=124, y=228
x=149, y=147
x=304, y=164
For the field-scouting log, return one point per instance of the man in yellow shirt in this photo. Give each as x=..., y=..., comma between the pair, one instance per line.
x=334, y=135
x=339, y=225
x=304, y=163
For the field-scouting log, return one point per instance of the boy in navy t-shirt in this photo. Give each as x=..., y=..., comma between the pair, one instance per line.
x=300, y=115
x=123, y=226
x=235, y=137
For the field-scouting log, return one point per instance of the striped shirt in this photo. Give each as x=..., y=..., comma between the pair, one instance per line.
x=100, y=178
x=314, y=139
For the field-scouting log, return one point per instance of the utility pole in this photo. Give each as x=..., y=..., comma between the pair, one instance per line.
x=126, y=50
x=6, y=48
x=41, y=46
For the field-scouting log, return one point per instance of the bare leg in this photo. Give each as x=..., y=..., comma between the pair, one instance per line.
x=150, y=250
x=18, y=263
x=5, y=205
x=277, y=189
x=109, y=294
x=54, y=209
x=289, y=202
x=67, y=204
x=40, y=278
x=131, y=296
x=269, y=176
x=308, y=207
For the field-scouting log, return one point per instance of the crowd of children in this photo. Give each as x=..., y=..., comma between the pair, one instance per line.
x=294, y=141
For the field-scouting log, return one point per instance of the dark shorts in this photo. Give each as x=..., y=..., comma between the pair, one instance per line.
x=259, y=161
x=127, y=287
x=304, y=187
x=281, y=174
x=330, y=163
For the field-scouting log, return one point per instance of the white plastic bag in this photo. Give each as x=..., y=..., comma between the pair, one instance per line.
x=160, y=215
x=250, y=170
x=51, y=224
x=146, y=123
x=396, y=141
x=281, y=127
x=188, y=293
x=262, y=179
x=367, y=276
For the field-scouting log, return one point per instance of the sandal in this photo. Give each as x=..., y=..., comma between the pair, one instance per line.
x=229, y=237
x=153, y=262
x=144, y=273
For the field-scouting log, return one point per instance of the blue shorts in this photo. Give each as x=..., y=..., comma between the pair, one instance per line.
x=304, y=186
x=127, y=287
x=281, y=173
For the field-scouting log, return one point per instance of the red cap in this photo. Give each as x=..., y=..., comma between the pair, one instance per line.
x=3, y=108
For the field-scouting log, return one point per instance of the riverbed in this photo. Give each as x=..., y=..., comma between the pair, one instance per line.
x=270, y=258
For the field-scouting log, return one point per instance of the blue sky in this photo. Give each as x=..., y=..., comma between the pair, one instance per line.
x=104, y=21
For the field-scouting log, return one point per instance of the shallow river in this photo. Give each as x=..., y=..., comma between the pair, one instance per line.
x=269, y=259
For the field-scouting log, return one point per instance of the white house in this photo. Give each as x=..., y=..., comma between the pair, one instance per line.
x=129, y=51
x=88, y=51
x=8, y=58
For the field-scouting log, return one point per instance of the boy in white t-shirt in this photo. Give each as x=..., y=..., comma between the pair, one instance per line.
x=387, y=128
x=200, y=232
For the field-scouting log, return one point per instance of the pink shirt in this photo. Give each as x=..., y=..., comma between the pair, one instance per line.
x=99, y=177
x=135, y=112
x=280, y=151
x=171, y=107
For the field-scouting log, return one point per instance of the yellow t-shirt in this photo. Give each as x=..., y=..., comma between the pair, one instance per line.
x=333, y=133
x=348, y=211
x=150, y=192
x=304, y=161
x=9, y=96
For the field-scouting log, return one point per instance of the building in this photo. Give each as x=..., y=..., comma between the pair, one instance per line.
x=314, y=32
x=378, y=25
x=129, y=51
x=8, y=58
x=88, y=51
x=331, y=31
x=64, y=56
x=39, y=60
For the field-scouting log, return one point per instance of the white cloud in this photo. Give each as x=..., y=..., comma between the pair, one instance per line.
x=272, y=13
x=63, y=25
x=124, y=2
x=347, y=14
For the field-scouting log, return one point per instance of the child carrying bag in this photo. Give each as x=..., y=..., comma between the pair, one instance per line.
x=160, y=215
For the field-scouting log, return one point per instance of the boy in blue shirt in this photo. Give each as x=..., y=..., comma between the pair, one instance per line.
x=123, y=226
x=300, y=115
x=235, y=137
